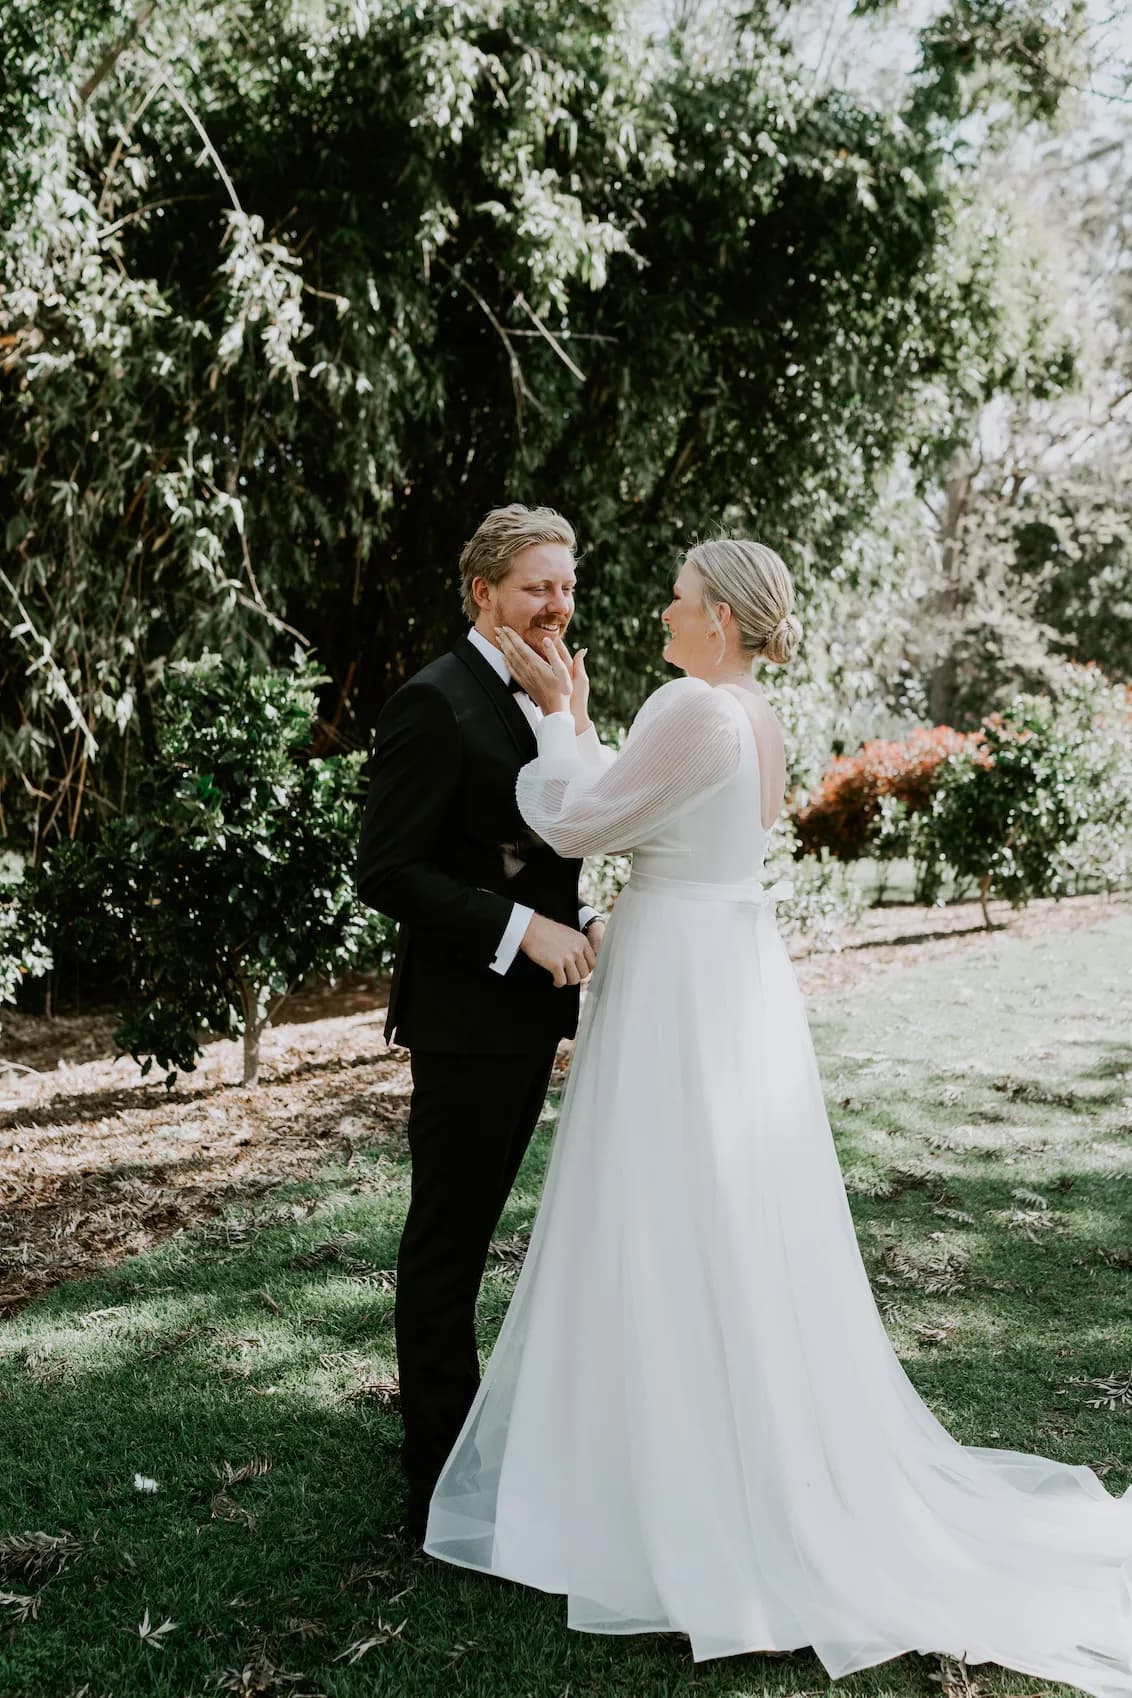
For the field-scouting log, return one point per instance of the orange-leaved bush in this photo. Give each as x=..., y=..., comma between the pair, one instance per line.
x=841, y=813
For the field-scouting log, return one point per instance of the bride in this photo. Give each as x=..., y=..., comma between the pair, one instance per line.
x=693, y=1419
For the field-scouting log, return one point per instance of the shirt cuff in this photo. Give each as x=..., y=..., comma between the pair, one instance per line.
x=585, y=915
x=521, y=918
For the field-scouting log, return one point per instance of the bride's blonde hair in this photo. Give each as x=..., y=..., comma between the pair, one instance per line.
x=753, y=581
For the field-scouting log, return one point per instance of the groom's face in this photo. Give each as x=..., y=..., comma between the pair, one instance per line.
x=537, y=595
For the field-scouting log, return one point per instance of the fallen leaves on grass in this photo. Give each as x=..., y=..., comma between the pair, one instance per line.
x=225, y=1508
x=1031, y=1091
x=955, y=1678
x=368, y=1575
x=94, y=1170
x=381, y=1634
x=232, y=1234
x=385, y=1392
x=235, y=1476
x=176, y=1339
x=42, y=1365
x=259, y=1676
x=1034, y=1199
x=1107, y=1465
x=1114, y=1391
x=935, y=1332
x=1108, y=1258
x=185, y=1335
x=155, y=1636
x=869, y=1182
x=334, y=1249
x=1029, y=1222
x=305, y=1627
x=24, y=1605
x=920, y=1179
x=336, y=1252
x=454, y=1653
x=512, y=1249
x=31, y=1554
x=933, y=1271
x=60, y=1131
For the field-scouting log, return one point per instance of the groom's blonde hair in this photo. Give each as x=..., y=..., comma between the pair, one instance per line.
x=502, y=534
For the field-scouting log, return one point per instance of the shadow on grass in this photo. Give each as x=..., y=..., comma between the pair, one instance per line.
x=171, y=1376
x=211, y=1350
x=204, y=1353
x=906, y=938
x=67, y=1109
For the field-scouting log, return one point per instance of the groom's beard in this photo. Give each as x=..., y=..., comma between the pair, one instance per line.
x=534, y=634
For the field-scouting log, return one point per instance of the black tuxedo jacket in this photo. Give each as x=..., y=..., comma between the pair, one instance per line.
x=445, y=852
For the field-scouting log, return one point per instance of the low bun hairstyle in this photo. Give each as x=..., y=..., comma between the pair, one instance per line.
x=753, y=581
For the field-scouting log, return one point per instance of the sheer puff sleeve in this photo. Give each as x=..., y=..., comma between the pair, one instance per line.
x=684, y=743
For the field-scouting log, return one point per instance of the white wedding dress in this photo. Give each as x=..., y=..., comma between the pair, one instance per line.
x=693, y=1419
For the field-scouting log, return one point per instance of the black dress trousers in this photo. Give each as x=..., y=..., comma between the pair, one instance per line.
x=470, y=1122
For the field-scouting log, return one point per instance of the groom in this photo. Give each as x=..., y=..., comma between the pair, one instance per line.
x=491, y=948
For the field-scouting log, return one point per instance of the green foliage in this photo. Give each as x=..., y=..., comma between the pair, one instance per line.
x=1042, y=570
x=234, y=877
x=23, y=945
x=865, y=801
x=1004, y=811
x=1094, y=718
x=825, y=902
x=1035, y=801
x=301, y=291
x=1073, y=563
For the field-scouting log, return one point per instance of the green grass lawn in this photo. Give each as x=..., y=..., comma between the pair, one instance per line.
x=983, y=1109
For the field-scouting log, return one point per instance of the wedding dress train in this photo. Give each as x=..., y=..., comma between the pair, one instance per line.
x=693, y=1419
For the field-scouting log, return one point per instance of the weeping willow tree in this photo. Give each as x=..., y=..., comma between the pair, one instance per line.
x=291, y=293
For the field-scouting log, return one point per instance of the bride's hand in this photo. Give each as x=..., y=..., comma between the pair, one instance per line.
x=548, y=682
x=580, y=695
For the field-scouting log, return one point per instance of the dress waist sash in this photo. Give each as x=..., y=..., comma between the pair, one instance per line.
x=749, y=892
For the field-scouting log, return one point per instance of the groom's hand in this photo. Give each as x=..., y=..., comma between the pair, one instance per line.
x=567, y=955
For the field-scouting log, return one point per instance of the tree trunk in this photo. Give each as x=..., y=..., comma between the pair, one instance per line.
x=251, y=1055
x=984, y=893
x=253, y=1030
x=949, y=599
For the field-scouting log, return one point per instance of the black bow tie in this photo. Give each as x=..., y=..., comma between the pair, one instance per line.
x=515, y=687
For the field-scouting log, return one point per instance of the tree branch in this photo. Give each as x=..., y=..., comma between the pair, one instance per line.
x=103, y=69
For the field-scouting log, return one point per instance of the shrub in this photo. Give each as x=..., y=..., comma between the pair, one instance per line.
x=23, y=946
x=865, y=802
x=1005, y=809
x=233, y=879
x=825, y=902
x=1094, y=716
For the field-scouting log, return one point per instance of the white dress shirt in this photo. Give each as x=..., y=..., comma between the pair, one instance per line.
x=521, y=915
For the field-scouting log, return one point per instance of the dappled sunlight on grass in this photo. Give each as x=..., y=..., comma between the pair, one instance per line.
x=247, y=1366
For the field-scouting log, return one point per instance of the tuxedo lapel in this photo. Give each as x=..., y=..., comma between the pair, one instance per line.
x=511, y=715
